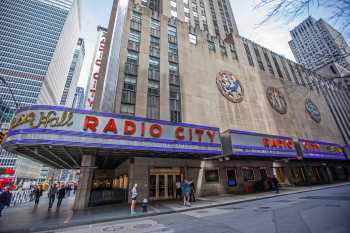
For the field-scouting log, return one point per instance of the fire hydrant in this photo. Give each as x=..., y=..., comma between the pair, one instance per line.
x=145, y=205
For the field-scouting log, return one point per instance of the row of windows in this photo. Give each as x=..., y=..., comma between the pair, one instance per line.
x=23, y=39
x=300, y=71
x=35, y=23
x=26, y=51
x=35, y=59
x=22, y=68
x=28, y=30
x=32, y=7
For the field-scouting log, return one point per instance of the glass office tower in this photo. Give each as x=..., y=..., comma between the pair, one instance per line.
x=37, y=39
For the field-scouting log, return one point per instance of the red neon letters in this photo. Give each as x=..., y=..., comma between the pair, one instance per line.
x=143, y=129
x=311, y=146
x=278, y=143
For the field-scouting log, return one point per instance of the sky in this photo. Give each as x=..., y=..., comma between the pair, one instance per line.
x=273, y=35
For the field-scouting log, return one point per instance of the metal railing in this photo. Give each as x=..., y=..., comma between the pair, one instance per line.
x=21, y=197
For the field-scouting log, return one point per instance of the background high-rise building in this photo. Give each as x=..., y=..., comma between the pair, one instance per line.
x=73, y=75
x=37, y=39
x=315, y=43
x=214, y=16
x=79, y=98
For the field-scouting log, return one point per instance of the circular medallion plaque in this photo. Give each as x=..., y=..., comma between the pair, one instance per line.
x=277, y=100
x=312, y=109
x=230, y=87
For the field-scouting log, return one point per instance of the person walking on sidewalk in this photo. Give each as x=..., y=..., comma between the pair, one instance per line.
x=178, y=189
x=274, y=183
x=38, y=192
x=133, y=195
x=61, y=193
x=185, y=188
x=5, y=199
x=192, y=191
x=52, y=195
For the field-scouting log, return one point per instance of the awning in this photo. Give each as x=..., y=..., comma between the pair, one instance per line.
x=59, y=136
x=244, y=144
x=312, y=149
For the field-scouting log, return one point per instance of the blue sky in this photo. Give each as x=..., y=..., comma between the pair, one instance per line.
x=273, y=35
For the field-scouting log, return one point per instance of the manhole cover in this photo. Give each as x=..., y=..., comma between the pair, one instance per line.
x=112, y=229
x=142, y=226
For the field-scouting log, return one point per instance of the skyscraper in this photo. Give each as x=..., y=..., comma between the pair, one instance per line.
x=79, y=98
x=73, y=75
x=37, y=39
x=315, y=43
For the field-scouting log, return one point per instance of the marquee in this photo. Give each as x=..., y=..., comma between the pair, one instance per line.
x=54, y=125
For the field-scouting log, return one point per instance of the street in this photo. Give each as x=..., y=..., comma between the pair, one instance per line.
x=326, y=210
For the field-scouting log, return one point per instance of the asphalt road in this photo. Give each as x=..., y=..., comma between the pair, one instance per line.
x=323, y=211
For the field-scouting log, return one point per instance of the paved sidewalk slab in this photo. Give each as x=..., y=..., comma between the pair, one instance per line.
x=29, y=219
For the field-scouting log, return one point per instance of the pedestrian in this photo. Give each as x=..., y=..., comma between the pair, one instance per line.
x=75, y=188
x=52, y=194
x=192, y=191
x=5, y=199
x=274, y=183
x=68, y=189
x=38, y=192
x=185, y=188
x=133, y=195
x=178, y=189
x=61, y=193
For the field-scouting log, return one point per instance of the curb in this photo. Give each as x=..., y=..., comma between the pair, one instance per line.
x=51, y=229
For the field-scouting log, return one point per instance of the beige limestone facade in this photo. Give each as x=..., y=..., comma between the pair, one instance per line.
x=201, y=100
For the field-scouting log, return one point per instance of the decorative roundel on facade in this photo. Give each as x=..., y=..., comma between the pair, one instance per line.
x=276, y=100
x=313, y=111
x=230, y=87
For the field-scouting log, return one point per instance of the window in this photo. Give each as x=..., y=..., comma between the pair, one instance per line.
x=231, y=177
x=248, y=174
x=192, y=38
x=258, y=58
x=175, y=103
x=212, y=176
x=211, y=46
x=153, y=100
x=268, y=62
x=277, y=67
x=249, y=55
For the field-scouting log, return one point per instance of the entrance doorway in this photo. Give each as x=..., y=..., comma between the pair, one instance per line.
x=162, y=183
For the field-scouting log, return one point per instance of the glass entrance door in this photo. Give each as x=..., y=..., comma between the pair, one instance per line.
x=162, y=184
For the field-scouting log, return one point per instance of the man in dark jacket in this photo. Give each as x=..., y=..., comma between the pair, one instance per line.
x=37, y=194
x=60, y=195
x=52, y=195
x=5, y=199
x=274, y=182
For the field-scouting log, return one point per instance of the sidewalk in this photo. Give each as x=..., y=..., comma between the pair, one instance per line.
x=29, y=219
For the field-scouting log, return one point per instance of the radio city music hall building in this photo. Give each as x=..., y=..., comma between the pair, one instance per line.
x=181, y=95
